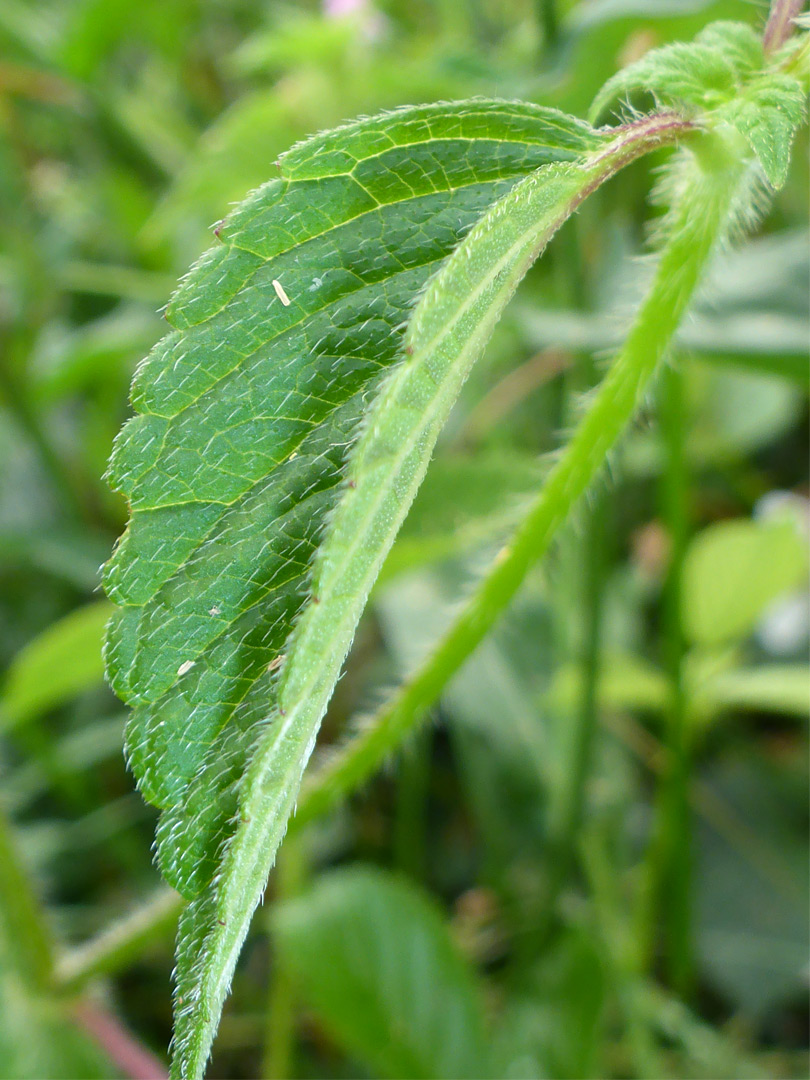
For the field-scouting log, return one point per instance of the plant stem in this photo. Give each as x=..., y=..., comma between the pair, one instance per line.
x=25, y=940
x=698, y=220
x=549, y=23
x=114, y=947
x=670, y=856
x=621, y=958
x=120, y=1045
x=410, y=815
x=279, y=1047
x=779, y=26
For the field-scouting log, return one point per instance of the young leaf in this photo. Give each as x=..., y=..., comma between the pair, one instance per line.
x=405, y=1004
x=234, y=467
x=705, y=72
x=733, y=571
x=721, y=73
x=768, y=115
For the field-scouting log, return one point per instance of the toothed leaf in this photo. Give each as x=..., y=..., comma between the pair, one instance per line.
x=444, y=335
x=248, y=557
x=702, y=73
x=768, y=115
x=282, y=334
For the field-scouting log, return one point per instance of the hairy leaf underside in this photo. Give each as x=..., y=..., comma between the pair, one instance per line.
x=282, y=335
x=286, y=422
x=284, y=429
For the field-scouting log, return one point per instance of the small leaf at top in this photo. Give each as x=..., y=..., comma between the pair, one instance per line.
x=702, y=73
x=768, y=115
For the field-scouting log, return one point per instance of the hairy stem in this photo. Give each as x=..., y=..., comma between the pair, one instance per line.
x=779, y=26
x=698, y=220
x=113, y=948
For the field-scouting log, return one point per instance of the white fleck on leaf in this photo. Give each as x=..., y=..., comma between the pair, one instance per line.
x=280, y=293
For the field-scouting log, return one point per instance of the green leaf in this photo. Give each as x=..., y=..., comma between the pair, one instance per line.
x=732, y=571
x=706, y=72
x=552, y=1022
x=374, y=958
x=720, y=73
x=236, y=463
x=768, y=115
x=57, y=665
x=247, y=412
x=771, y=688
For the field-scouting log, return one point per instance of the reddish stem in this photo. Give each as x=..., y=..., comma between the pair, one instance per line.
x=134, y=1060
x=780, y=23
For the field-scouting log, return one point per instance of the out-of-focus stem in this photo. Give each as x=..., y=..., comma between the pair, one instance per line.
x=25, y=940
x=780, y=23
x=676, y=877
x=113, y=948
x=410, y=817
x=279, y=1047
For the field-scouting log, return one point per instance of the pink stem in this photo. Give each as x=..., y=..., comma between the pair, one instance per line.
x=780, y=23
x=134, y=1060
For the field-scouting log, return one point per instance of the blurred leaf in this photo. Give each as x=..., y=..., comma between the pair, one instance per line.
x=751, y=312
x=463, y=502
x=625, y=682
x=38, y=1042
x=772, y=688
x=64, y=660
x=64, y=551
x=374, y=958
x=752, y=884
x=738, y=412
x=552, y=1022
x=732, y=571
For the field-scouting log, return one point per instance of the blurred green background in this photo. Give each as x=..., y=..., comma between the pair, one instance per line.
x=594, y=858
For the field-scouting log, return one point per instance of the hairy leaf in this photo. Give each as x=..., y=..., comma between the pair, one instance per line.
x=247, y=411
x=705, y=72
x=768, y=115
x=721, y=73
x=241, y=527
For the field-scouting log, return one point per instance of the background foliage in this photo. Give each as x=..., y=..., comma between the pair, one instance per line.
x=594, y=858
